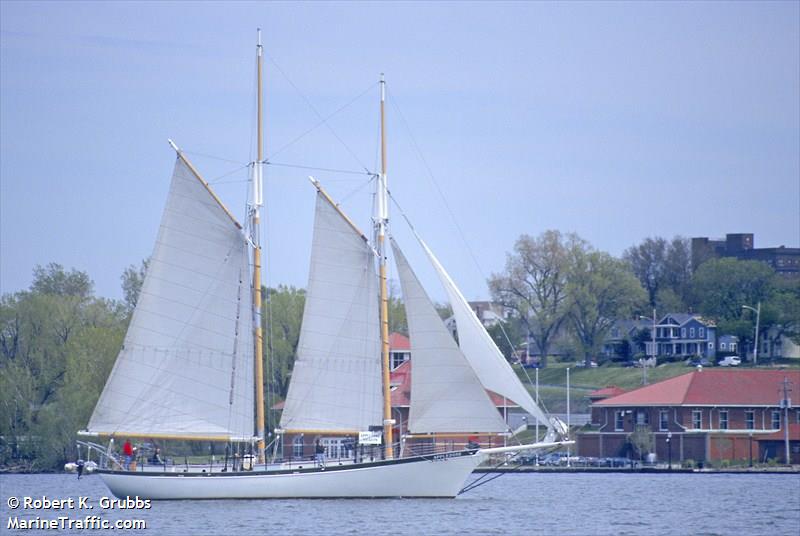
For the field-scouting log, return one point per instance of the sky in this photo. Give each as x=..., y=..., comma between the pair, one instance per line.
x=616, y=121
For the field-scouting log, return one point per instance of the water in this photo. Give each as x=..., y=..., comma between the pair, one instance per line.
x=515, y=504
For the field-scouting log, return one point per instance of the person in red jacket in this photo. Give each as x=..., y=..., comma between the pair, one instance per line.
x=127, y=450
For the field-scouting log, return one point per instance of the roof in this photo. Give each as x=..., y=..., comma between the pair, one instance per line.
x=683, y=318
x=605, y=392
x=710, y=388
x=398, y=341
x=794, y=434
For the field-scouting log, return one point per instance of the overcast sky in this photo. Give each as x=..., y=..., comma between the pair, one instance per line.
x=617, y=121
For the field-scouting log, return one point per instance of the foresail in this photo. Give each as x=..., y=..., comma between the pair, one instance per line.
x=336, y=379
x=480, y=350
x=446, y=395
x=186, y=365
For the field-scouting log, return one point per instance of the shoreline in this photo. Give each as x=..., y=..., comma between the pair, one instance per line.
x=793, y=470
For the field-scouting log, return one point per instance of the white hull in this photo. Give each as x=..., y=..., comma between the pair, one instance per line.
x=433, y=476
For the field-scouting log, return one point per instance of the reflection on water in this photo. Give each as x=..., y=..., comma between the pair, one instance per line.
x=517, y=504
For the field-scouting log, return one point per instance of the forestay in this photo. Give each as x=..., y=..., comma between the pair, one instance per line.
x=336, y=380
x=446, y=394
x=186, y=365
x=480, y=350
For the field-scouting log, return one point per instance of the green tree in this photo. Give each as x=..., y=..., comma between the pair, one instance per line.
x=721, y=286
x=534, y=283
x=57, y=345
x=601, y=290
x=283, y=314
x=54, y=280
x=132, y=281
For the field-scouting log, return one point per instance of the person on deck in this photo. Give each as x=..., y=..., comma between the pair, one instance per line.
x=127, y=451
x=156, y=457
x=319, y=451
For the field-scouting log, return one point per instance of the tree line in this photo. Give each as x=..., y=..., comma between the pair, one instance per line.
x=558, y=284
x=58, y=341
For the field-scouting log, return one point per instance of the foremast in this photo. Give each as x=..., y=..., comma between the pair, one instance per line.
x=255, y=214
x=381, y=223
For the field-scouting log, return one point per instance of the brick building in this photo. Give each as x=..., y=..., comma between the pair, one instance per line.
x=301, y=446
x=785, y=261
x=705, y=416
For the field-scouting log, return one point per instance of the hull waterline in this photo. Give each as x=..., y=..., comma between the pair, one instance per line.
x=434, y=476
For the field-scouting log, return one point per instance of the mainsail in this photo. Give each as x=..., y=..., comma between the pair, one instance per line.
x=336, y=380
x=186, y=365
x=446, y=395
x=480, y=350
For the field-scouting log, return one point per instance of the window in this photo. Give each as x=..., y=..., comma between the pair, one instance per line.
x=642, y=417
x=702, y=333
x=722, y=346
x=619, y=424
x=723, y=419
x=683, y=333
x=398, y=358
x=711, y=346
x=750, y=419
x=732, y=347
x=776, y=419
x=334, y=447
x=297, y=447
x=697, y=419
x=691, y=333
x=663, y=419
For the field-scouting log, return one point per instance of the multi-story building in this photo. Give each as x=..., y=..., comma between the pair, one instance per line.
x=706, y=415
x=785, y=261
x=680, y=335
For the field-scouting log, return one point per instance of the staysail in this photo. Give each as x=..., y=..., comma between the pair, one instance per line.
x=447, y=395
x=336, y=380
x=480, y=350
x=186, y=365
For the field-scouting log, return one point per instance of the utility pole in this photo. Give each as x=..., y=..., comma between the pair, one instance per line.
x=757, y=311
x=786, y=403
x=569, y=449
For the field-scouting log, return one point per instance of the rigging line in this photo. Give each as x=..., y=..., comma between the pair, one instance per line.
x=449, y=210
x=436, y=185
x=356, y=190
x=331, y=170
x=539, y=403
x=319, y=115
x=205, y=155
x=216, y=179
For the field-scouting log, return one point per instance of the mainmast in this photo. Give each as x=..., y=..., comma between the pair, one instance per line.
x=381, y=222
x=255, y=233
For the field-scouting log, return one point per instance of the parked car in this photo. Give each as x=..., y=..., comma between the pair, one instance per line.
x=698, y=361
x=730, y=361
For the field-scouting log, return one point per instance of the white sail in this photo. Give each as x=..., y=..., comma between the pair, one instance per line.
x=336, y=380
x=186, y=365
x=446, y=395
x=480, y=350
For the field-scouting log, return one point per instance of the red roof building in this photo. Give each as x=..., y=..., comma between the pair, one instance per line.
x=705, y=415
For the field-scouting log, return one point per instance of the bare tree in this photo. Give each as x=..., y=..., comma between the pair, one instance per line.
x=534, y=283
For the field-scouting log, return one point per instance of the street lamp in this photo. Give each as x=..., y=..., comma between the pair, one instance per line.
x=644, y=364
x=758, y=319
x=669, y=449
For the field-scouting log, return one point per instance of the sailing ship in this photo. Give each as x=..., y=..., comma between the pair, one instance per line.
x=190, y=367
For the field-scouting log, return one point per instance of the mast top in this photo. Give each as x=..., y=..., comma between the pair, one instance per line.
x=258, y=46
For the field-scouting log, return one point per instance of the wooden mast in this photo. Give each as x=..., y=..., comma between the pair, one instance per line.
x=382, y=221
x=256, y=236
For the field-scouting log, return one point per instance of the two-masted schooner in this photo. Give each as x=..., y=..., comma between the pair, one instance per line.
x=190, y=367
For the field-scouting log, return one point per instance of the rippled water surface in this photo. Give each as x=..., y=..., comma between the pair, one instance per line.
x=515, y=504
